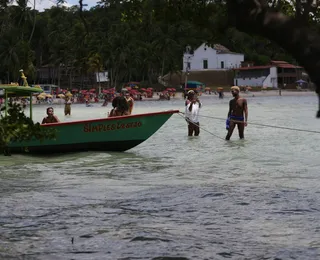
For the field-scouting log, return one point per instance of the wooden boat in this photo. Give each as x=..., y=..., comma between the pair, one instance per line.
x=105, y=134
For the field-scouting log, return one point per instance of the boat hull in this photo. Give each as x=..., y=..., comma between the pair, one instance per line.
x=108, y=134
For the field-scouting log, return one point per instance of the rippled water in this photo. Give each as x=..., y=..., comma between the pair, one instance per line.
x=172, y=197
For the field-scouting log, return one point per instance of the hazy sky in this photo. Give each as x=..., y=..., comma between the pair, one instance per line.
x=42, y=4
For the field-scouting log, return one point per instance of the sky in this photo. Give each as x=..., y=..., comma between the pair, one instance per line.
x=43, y=4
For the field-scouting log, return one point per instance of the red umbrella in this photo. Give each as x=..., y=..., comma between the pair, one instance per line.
x=143, y=89
x=92, y=90
x=75, y=90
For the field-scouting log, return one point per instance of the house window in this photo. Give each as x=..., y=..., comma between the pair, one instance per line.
x=189, y=65
x=205, y=64
x=222, y=64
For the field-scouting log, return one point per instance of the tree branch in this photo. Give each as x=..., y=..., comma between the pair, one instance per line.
x=254, y=16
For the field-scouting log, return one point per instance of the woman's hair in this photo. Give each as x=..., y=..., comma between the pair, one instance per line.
x=120, y=103
x=50, y=108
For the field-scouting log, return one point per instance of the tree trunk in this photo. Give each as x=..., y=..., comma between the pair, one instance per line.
x=34, y=21
x=162, y=67
x=99, y=82
x=255, y=17
x=59, y=75
x=70, y=79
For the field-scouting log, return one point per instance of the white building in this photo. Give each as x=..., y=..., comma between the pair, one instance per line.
x=257, y=76
x=268, y=76
x=217, y=57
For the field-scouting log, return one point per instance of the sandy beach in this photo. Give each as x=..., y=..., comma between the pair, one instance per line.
x=268, y=93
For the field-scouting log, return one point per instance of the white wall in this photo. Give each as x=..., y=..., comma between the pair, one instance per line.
x=270, y=81
x=252, y=82
x=202, y=53
x=102, y=76
x=214, y=60
x=230, y=60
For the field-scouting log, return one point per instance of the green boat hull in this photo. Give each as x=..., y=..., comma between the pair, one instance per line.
x=107, y=134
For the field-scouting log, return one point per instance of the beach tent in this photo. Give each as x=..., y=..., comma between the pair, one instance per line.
x=195, y=84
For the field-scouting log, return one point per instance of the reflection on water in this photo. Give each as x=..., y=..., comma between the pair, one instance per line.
x=172, y=197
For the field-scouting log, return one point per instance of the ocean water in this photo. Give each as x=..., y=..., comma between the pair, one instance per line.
x=173, y=196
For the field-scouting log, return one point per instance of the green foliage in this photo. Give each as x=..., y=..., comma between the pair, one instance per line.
x=17, y=127
x=133, y=40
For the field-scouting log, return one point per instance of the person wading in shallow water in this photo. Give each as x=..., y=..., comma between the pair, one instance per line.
x=238, y=113
x=67, y=107
x=193, y=106
x=51, y=118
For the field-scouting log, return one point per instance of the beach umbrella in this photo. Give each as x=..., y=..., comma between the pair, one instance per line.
x=68, y=94
x=75, y=90
x=61, y=96
x=41, y=96
x=143, y=89
x=92, y=90
x=301, y=81
x=49, y=96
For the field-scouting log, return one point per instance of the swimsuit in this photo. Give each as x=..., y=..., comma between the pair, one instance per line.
x=236, y=118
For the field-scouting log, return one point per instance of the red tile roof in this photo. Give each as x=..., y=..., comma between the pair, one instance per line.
x=288, y=66
x=278, y=64
x=254, y=67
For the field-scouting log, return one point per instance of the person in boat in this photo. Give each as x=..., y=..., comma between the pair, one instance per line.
x=67, y=107
x=120, y=107
x=130, y=101
x=51, y=118
x=238, y=113
x=193, y=106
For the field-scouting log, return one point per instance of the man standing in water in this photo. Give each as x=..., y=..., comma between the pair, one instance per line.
x=193, y=106
x=67, y=107
x=238, y=113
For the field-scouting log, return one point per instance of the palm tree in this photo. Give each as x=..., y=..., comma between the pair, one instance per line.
x=95, y=65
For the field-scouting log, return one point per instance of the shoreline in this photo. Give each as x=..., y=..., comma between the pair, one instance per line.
x=273, y=93
x=179, y=95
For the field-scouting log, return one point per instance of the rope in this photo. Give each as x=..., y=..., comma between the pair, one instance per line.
x=264, y=125
x=188, y=120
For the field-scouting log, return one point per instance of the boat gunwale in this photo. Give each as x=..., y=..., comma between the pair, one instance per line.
x=110, y=118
